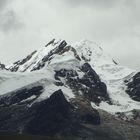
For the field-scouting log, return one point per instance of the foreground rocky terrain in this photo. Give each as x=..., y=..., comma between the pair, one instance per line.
x=70, y=92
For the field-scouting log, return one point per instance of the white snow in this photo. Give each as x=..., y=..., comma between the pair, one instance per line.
x=28, y=99
x=37, y=57
x=13, y=81
x=110, y=73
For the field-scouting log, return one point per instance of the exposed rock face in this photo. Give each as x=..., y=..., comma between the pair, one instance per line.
x=97, y=89
x=56, y=116
x=51, y=42
x=14, y=110
x=130, y=116
x=90, y=85
x=22, y=94
x=52, y=117
x=133, y=87
x=2, y=66
x=17, y=64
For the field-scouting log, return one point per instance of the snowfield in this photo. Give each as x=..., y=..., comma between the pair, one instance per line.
x=112, y=74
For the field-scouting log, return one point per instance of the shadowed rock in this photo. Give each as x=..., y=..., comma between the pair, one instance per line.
x=133, y=87
x=89, y=85
x=57, y=116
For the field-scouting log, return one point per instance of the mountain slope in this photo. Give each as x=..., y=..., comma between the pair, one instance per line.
x=57, y=55
x=72, y=84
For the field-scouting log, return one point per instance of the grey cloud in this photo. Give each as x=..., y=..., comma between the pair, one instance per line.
x=9, y=21
x=93, y=3
x=8, y=18
x=114, y=24
x=3, y=4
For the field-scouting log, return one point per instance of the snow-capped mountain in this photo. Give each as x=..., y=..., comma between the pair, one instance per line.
x=82, y=76
x=57, y=55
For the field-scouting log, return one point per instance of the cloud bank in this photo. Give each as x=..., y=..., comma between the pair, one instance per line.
x=28, y=24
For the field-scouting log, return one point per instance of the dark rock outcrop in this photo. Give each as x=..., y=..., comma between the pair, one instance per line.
x=51, y=115
x=51, y=42
x=48, y=57
x=97, y=89
x=17, y=64
x=54, y=116
x=18, y=96
x=133, y=87
x=89, y=85
x=2, y=67
x=57, y=116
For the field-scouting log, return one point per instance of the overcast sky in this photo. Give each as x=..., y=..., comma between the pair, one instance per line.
x=26, y=25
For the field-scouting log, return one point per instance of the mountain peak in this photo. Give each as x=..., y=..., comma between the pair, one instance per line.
x=2, y=66
x=53, y=42
x=85, y=50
